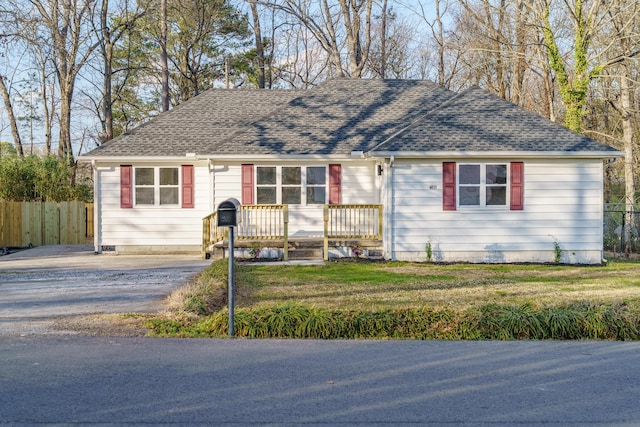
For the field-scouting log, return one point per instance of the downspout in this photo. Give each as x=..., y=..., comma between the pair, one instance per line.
x=97, y=231
x=389, y=217
x=212, y=185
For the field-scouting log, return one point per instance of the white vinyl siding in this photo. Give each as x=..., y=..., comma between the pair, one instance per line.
x=170, y=226
x=358, y=186
x=562, y=203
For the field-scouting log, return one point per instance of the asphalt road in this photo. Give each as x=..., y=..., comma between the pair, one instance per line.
x=40, y=285
x=142, y=381
x=49, y=379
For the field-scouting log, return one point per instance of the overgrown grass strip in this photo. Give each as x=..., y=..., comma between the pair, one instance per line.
x=490, y=322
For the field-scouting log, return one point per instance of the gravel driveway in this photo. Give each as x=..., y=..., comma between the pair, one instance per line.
x=41, y=285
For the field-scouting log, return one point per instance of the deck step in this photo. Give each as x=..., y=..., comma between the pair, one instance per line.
x=305, y=253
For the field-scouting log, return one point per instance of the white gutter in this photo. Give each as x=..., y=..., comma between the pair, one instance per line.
x=97, y=238
x=387, y=238
x=346, y=157
x=495, y=154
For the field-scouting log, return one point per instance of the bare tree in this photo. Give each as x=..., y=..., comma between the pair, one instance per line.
x=392, y=53
x=6, y=99
x=304, y=62
x=328, y=22
x=111, y=28
x=497, y=47
x=433, y=15
x=66, y=24
x=625, y=38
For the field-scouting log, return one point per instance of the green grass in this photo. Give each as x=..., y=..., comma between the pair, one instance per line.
x=375, y=286
x=411, y=300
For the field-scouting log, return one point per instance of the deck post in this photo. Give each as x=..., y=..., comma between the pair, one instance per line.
x=326, y=233
x=285, y=220
x=206, y=233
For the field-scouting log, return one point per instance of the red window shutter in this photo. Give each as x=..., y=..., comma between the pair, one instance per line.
x=247, y=184
x=126, y=186
x=449, y=186
x=517, y=186
x=187, y=186
x=335, y=184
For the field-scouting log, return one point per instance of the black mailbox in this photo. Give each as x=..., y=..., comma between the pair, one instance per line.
x=229, y=213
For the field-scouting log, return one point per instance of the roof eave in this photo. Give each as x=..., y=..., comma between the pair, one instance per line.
x=223, y=157
x=496, y=154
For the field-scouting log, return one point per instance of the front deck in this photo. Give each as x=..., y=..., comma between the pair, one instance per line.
x=345, y=230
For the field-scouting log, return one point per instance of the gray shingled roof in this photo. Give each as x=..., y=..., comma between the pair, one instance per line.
x=198, y=125
x=477, y=121
x=340, y=116
x=345, y=115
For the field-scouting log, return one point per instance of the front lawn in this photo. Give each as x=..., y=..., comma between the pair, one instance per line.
x=411, y=300
x=380, y=286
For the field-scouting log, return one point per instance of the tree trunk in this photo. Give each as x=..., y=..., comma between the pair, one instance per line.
x=627, y=137
x=331, y=46
x=164, y=61
x=358, y=50
x=107, y=54
x=383, y=41
x=519, y=62
x=12, y=119
x=65, y=149
x=440, y=40
x=259, y=45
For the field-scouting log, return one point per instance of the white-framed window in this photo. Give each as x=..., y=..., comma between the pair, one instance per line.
x=483, y=184
x=157, y=186
x=291, y=185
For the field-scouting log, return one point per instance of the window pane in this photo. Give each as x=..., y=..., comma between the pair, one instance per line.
x=144, y=176
x=266, y=176
x=496, y=174
x=469, y=174
x=169, y=196
x=469, y=196
x=316, y=176
x=291, y=176
x=315, y=195
x=168, y=176
x=266, y=195
x=144, y=196
x=496, y=196
x=291, y=195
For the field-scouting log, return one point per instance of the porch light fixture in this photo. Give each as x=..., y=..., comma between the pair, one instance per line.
x=380, y=170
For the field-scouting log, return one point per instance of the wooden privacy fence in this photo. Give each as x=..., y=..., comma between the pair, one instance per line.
x=45, y=223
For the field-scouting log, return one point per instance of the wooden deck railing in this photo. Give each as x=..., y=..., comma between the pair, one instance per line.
x=258, y=222
x=211, y=233
x=271, y=222
x=264, y=222
x=351, y=222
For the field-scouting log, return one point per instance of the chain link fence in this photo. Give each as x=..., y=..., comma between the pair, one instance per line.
x=621, y=227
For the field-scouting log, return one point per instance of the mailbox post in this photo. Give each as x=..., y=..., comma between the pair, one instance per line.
x=229, y=216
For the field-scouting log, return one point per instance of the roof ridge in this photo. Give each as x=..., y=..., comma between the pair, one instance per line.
x=420, y=118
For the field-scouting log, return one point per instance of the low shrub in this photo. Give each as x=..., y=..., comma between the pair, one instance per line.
x=490, y=322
